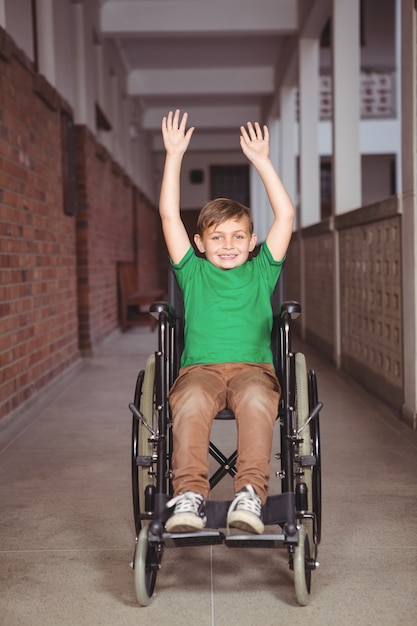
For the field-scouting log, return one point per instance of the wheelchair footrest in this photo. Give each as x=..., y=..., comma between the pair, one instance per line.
x=215, y=537
x=278, y=509
x=255, y=541
x=200, y=538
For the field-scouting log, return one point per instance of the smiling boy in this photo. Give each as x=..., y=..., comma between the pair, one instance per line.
x=227, y=360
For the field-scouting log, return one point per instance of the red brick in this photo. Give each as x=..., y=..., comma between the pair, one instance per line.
x=37, y=254
x=58, y=272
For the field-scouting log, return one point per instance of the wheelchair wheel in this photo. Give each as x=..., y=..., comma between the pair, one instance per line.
x=146, y=566
x=304, y=472
x=142, y=445
x=302, y=574
x=315, y=437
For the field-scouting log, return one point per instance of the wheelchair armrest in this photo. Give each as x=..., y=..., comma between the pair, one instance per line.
x=159, y=307
x=292, y=307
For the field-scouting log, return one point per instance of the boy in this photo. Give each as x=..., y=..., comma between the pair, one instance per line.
x=227, y=359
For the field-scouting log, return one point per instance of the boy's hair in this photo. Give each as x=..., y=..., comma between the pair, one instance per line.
x=219, y=211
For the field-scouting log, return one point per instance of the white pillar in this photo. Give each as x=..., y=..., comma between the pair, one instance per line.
x=259, y=202
x=398, y=88
x=347, y=183
x=287, y=163
x=3, y=14
x=127, y=162
x=115, y=116
x=80, y=65
x=309, y=124
x=409, y=217
x=46, y=45
x=98, y=48
x=347, y=187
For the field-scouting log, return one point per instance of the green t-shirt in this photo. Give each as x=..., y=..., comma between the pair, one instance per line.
x=228, y=315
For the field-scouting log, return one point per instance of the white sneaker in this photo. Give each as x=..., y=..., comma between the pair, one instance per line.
x=188, y=515
x=245, y=511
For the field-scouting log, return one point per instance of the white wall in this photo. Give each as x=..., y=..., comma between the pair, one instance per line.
x=195, y=196
x=376, y=137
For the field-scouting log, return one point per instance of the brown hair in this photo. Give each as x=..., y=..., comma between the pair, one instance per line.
x=219, y=211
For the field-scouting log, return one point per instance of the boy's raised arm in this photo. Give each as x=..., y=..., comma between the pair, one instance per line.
x=176, y=141
x=255, y=145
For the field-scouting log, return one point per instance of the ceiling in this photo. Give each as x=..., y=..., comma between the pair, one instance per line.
x=223, y=61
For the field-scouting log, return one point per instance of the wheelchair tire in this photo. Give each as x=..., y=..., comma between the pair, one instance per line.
x=315, y=437
x=302, y=574
x=141, y=444
x=305, y=448
x=145, y=568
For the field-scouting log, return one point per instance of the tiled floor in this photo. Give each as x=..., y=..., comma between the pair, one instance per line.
x=66, y=526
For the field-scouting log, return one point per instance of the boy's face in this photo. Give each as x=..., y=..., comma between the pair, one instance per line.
x=227, y=245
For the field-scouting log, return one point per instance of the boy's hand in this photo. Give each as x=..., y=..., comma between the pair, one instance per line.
x=176, y=140
x=254, y=144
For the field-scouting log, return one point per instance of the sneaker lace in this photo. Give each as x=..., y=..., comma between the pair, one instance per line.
x=247, y=500
x=187, y=502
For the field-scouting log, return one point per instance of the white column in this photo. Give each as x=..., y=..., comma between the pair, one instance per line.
x=287, y=163
x=98, y=47
x=309, y=123
x=115, y=104
x=127, y=116
x=273, y=127
x=409, y=217
x=259, y=203
x=398, y=88
x=80, y=65
x=288, y=167
x=347, y=184
x=3, y=14
x=46, y=46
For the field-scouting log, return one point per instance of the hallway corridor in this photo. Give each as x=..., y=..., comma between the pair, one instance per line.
x=66, y=524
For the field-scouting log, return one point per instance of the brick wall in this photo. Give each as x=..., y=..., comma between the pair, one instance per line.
x=58, y=279
x=105, y=235
x=115, y=222
x=38, y=304
x=152, y=254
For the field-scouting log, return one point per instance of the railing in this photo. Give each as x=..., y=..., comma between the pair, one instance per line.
x=377, y=95
x=346, y=272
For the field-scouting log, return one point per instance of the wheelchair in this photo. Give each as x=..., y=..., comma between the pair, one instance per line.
x=292, y=518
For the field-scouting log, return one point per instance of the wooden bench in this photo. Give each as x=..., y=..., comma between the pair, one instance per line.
x=133, y=303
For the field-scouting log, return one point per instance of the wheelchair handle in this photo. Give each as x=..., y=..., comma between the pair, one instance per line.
x=161, y=307
x=291, y=307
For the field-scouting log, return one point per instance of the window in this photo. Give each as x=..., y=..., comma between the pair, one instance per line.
x=230, y=181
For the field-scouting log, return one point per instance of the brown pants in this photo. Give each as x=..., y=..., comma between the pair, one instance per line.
x=251, y=391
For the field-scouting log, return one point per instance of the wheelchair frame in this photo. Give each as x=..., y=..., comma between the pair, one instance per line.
x=296, y=511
